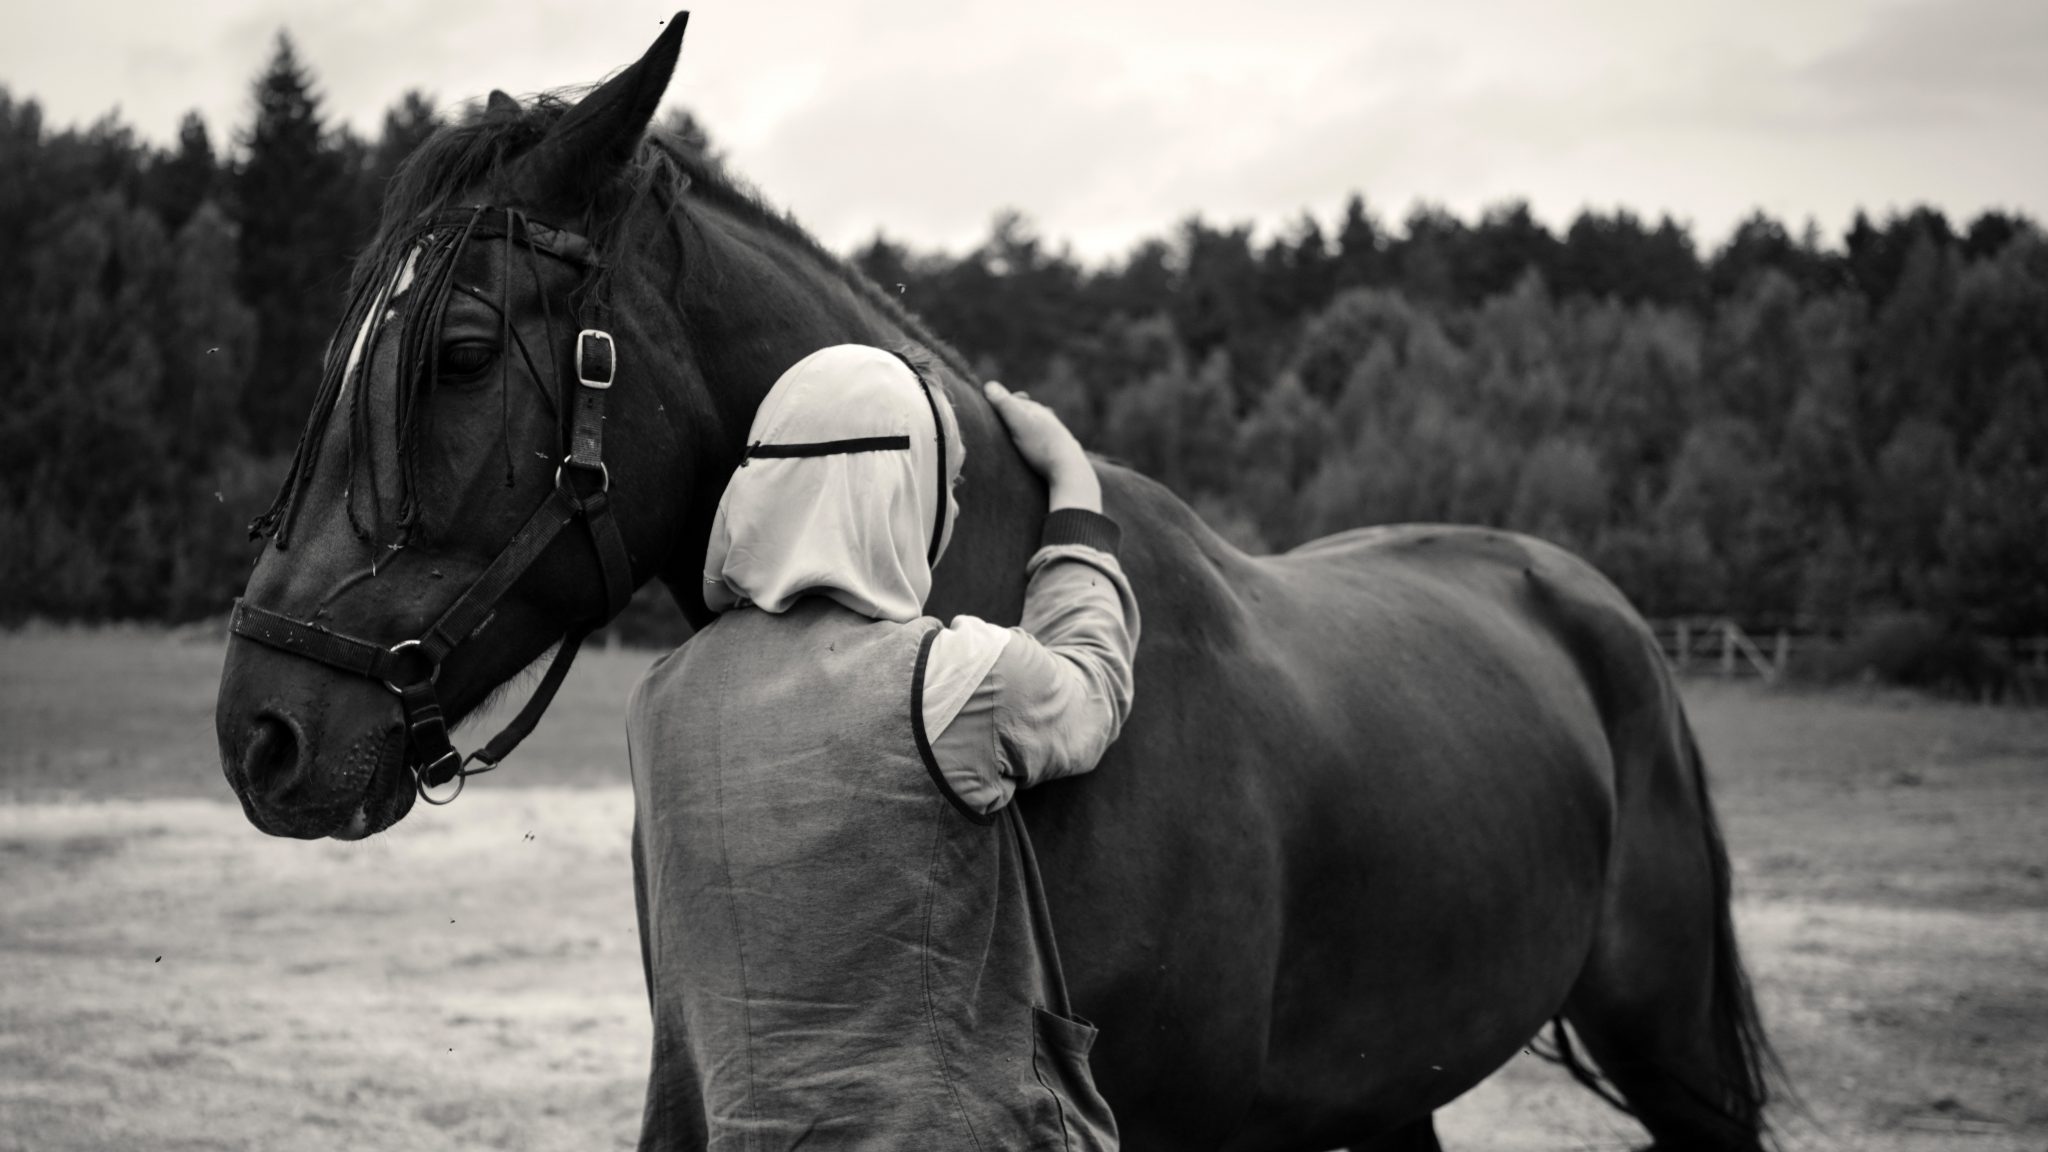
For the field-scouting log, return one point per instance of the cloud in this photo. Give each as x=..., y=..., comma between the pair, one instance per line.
x=1108, y=122
x=1953, y=58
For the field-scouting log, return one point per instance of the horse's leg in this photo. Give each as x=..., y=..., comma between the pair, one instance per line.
x=1663, y=1005
x=1419, y=1136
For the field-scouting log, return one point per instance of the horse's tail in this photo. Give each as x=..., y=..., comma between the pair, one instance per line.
x=1750, y=1071
x=1664, y=1091
x=1664, y=1008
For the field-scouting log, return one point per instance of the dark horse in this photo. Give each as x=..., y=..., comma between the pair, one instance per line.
x=1388, y=803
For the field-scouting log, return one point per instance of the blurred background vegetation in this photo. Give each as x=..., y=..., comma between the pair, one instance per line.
x=1789, y=429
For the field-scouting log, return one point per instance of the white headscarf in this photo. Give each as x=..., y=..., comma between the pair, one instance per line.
x=854, y=526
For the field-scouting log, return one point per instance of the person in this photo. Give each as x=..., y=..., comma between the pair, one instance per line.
x=846, y=941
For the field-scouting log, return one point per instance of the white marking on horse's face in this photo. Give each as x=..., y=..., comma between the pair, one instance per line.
x=381, y=314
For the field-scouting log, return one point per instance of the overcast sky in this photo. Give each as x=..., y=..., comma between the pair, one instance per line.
x=1106, y=122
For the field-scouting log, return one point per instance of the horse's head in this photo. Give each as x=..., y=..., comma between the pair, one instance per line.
x=482, y=475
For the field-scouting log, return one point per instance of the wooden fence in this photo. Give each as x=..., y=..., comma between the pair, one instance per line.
x=1719, y=646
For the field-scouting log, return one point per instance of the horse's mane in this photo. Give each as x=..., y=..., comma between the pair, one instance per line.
x=477, y=150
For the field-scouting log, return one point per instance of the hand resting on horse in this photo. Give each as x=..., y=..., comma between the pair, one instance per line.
x=1050, y=449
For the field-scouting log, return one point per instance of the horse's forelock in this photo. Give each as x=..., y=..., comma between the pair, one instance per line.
x=470, y=154
x=472, y=151
x=481, y=151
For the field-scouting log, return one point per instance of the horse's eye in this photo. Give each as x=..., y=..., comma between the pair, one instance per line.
x=466, y=362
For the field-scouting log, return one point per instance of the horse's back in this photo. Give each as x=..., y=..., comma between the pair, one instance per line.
x=1458, y=629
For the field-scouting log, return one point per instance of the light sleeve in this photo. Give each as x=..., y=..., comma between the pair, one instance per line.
x=1057, y=693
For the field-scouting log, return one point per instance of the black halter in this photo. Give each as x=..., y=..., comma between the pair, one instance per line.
x=582, y=491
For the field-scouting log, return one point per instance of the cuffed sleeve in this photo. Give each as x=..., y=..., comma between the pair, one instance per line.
x=1080, y=526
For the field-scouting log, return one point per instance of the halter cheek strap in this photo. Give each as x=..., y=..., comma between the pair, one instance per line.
x=582, y=491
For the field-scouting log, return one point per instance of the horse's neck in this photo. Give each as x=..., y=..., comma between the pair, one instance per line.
x=776, y=303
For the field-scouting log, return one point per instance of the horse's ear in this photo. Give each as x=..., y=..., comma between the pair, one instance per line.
x=597, y=137
x=499, y=106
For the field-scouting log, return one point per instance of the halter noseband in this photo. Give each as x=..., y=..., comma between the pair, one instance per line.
x=581, y=492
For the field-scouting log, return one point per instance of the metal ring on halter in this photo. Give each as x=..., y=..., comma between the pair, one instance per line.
x=433, y=673
x=419, y=783
x=463, y=772
x=604, y=474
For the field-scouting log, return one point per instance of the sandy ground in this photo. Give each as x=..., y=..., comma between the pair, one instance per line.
x=171, y=979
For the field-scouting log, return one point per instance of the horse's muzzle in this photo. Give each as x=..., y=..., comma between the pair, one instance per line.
x=286, y=748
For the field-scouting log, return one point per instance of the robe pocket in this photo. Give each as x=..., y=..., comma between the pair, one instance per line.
x=1059, y=1056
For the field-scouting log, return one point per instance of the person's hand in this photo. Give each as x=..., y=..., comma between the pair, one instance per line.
x=1048, y=448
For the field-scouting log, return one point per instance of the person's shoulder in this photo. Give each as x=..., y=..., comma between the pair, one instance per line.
x=670, y=667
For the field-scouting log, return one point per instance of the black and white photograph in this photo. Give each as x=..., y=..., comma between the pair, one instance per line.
x=1170, y=577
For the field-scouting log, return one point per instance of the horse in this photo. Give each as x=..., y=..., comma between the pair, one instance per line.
x=1387, y=806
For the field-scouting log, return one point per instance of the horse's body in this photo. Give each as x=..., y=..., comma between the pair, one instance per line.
x=1386, y=804
x=1442, y=770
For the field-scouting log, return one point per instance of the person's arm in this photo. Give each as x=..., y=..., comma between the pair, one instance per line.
x=1056, y=689
x=1063, y=686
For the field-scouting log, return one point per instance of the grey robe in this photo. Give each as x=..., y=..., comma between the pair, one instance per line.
x=840, y=954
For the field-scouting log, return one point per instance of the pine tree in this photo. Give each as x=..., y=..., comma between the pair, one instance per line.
x=179, y=182
x=1360, y=247
x=407, y=124
x=290, y=199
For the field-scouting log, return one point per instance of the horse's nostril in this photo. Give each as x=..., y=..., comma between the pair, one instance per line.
x=271, y=754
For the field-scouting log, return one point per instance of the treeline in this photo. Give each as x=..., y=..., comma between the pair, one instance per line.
x=1782, y=429
x=162, y=317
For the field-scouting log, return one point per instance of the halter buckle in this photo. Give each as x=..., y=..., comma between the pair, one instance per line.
x=595, y=352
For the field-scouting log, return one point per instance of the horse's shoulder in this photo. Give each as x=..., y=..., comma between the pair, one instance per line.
x=1169, y=551
x=1160, y=530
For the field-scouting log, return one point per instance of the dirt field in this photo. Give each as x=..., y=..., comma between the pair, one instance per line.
x=171, y=979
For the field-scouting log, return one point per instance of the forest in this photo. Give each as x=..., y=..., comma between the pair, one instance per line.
x=1789, y=428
